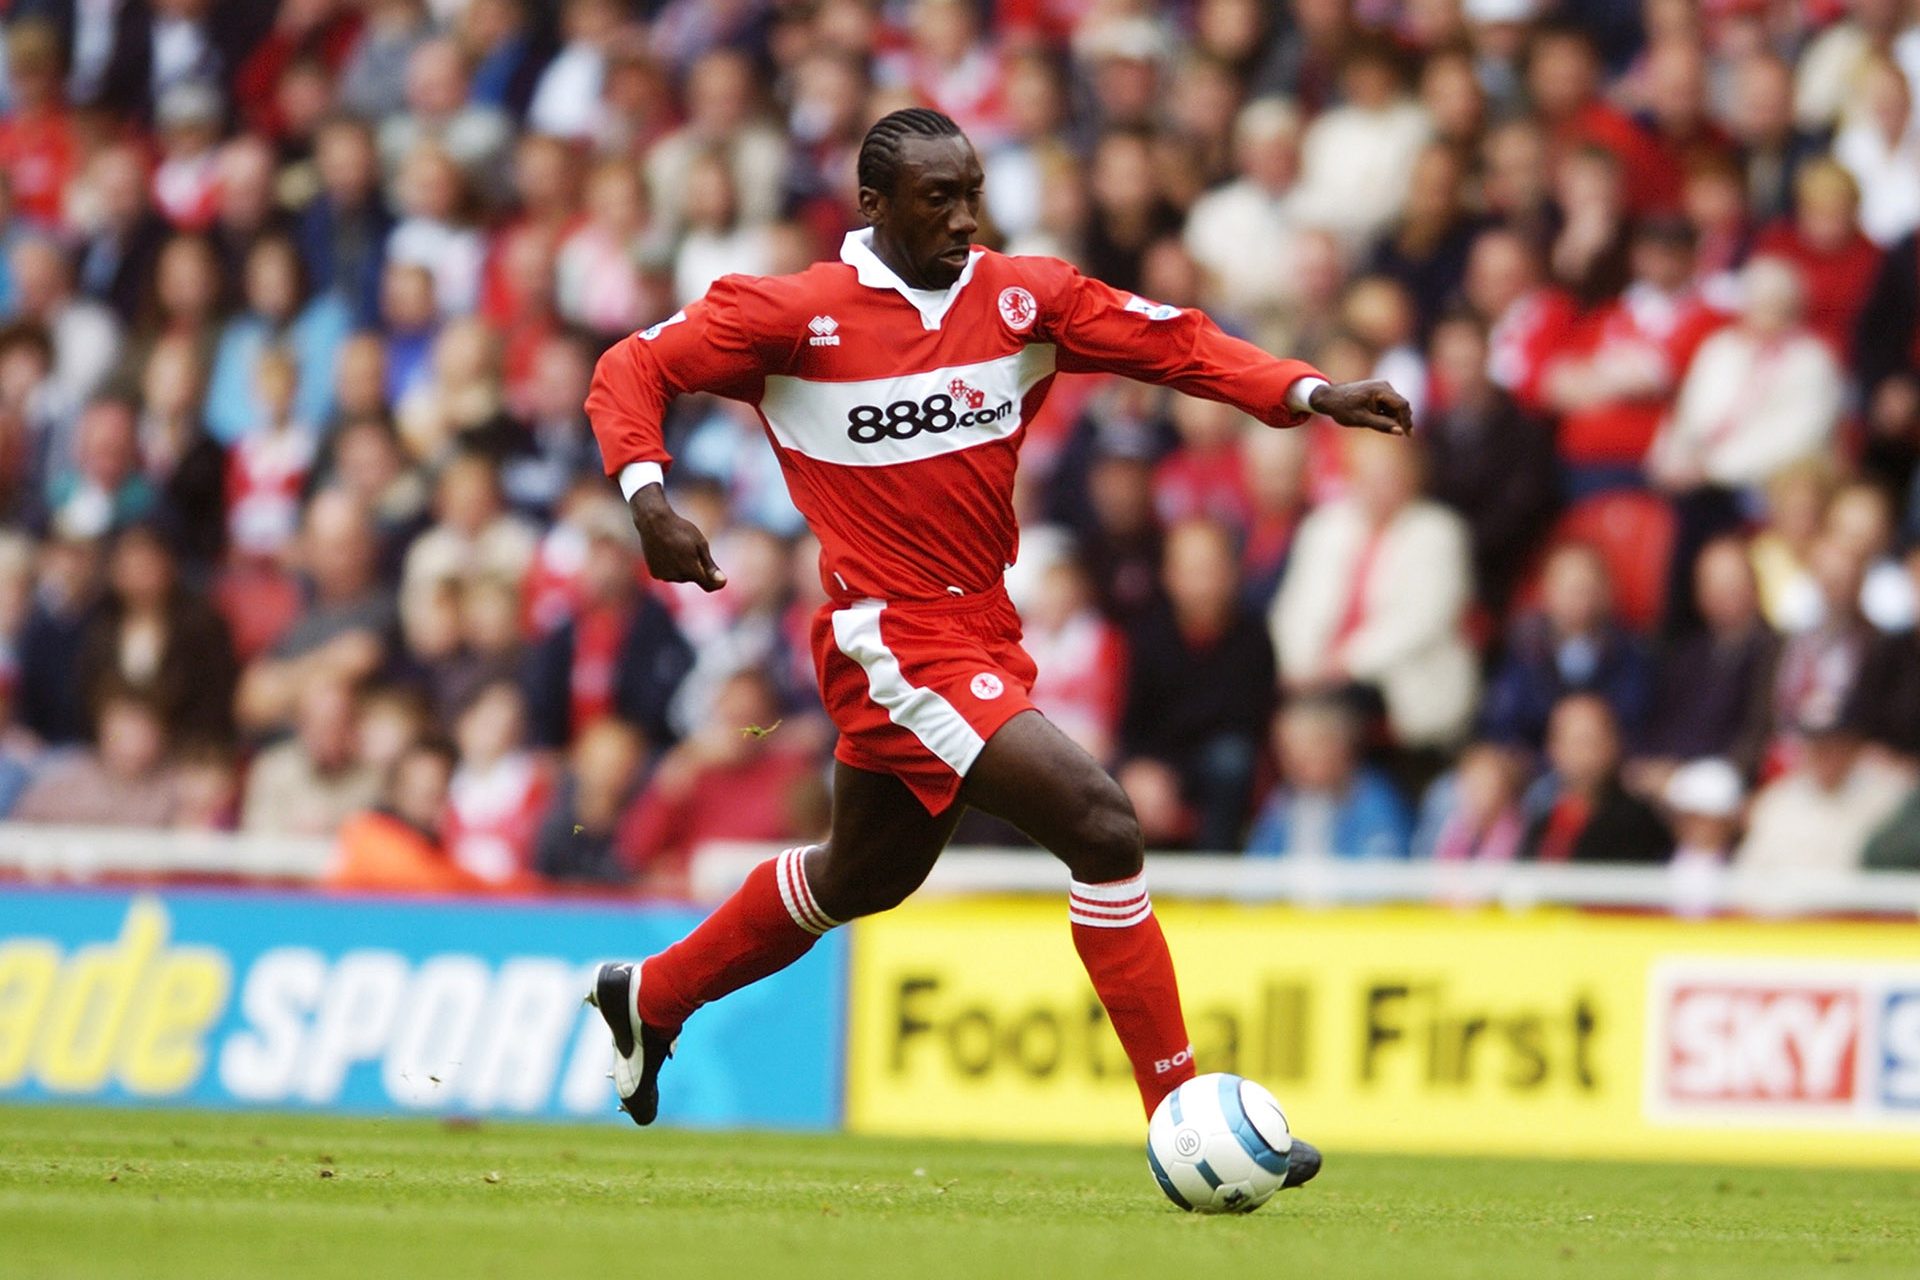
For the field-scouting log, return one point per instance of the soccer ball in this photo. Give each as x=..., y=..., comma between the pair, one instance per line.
x=1218, y=1144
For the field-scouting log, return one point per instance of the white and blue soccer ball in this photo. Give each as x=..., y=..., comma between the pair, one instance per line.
x=1219, y=1144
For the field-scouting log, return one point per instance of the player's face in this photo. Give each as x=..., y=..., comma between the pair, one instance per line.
x=924, y=227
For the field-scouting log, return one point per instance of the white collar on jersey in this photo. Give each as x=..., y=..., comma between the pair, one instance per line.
x=932, y=304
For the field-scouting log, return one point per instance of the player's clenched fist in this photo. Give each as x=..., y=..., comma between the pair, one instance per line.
x=1374, y=405
x=675, y=549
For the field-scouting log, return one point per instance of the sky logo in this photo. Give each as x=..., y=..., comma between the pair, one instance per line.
x=1900, y=1049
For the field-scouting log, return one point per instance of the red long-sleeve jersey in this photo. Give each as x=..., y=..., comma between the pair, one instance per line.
x=898, y=413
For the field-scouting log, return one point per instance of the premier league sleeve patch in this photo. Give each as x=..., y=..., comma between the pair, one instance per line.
x=1152, y=310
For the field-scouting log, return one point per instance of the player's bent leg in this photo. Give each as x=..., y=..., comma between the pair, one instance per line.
x=1034, y=776
x=882, y=846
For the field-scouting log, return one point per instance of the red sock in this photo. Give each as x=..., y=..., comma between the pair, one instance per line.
x=1120, y=942
x=769, y=922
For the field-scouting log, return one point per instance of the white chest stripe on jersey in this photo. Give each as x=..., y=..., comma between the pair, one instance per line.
x=883, y=422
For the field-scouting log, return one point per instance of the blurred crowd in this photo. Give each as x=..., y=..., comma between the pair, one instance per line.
x=305, y=531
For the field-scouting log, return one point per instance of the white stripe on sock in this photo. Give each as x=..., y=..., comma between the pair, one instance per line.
x=790, y=872
x=1118, y=904
x=806, y=892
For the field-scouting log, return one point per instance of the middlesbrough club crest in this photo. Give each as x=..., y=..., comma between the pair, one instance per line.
x=1018, y=309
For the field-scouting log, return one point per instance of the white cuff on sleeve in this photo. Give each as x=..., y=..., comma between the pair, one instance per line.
x=1300, y=394
x=636, y=476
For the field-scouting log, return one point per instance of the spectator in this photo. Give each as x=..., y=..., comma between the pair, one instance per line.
x=1082, y=659
x=566, y=97
x=1823, y=240
x=1713, y=686
x=1426, y=250
x=1525, y=316
x=549, y=448
x=154, y=637
x=1613, y=372
x=1820, y=814
x=1887, y=340
x=247, y=208
x=1487, y=459
x=269, y=465
x=1200, y=682
x=186, y=181
x=1242, y=233
x=1820, y=664
x=619, y=652
x=40, y=150
x=121, y=238
x=105, y=489
x=276, y=314
x=723, y=117
x=1581, y=811
x=1473, y=814
x=397, y=848
x=473, y=534
x=440, y=111
x=1773, y=145
x=715, y=240
x=52, y=702
x=368, y=465
x=599, y=284
x=125, y=780
x=1129, y=211
x=507, y=50
x=1830, y=68
x=1204, y=477
x=313, y=782
x=576, y=842
x=750, y=635
x=343, y=229
x=1563, y=82
x=1328, y=804
x=1885, y=704
x=1571, y=644
x=373, y=83
x=1275, y=466
x=85, y=336
x=499, y=790
x=1356, y=159
x=179, y=457
x=1374, y=596
x=1758, y=395
x=436, y=232
x=1880, y=147
x=732, y=779
x=1704, y=801
x=1861, y=518
x=346, y=628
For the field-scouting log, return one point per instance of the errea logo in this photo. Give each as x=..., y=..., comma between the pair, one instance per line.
x=823, y=329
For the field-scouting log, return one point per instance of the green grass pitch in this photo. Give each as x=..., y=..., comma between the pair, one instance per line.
x=151, y=1194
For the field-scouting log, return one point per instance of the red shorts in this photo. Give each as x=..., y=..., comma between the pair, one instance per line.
x=917, y=688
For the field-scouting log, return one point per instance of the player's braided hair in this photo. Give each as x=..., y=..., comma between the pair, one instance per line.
x=880, y=149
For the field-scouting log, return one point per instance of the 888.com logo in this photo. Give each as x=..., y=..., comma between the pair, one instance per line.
x=959, y=405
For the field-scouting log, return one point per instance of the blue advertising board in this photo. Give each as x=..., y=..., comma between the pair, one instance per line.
x=232, y=999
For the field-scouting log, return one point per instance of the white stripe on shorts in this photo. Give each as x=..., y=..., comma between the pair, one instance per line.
x=922, y=712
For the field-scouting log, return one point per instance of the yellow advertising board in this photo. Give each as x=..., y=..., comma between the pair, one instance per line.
x=1414, y=1029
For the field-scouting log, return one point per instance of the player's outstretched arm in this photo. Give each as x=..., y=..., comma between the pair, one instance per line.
x=1373, y=404
x=1098, y=328
x=674, y=547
